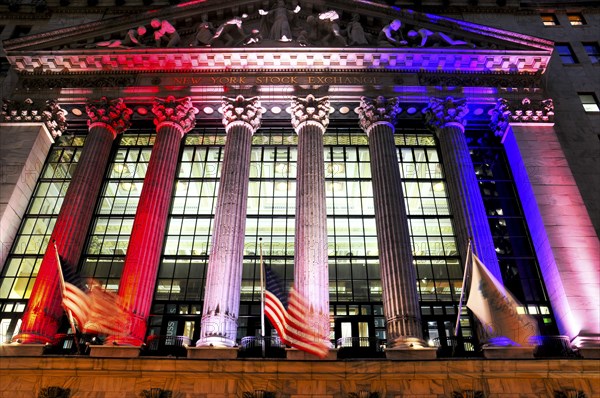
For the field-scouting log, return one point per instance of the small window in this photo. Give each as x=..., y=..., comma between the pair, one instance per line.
x=593, y=52
x=20, y=30
x=549, y=20
x=566, y=53
x=589, y=102
x=576, y=19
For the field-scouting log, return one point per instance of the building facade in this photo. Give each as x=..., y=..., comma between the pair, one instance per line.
x=355, y=148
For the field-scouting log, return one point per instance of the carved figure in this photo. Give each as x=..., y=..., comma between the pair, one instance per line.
x=204, y=32
x=331, y=29
x=433, y=39
x=133, y=37
x=355, y=31
x=230, y=33
x=164, y=32
x=277, y=22
x=391, y=35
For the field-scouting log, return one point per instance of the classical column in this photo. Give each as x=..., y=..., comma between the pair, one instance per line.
x=447, y=118
x=310, y=118
x=241, y=118
x=44, y=310
x=173, y=119
x=398, y=275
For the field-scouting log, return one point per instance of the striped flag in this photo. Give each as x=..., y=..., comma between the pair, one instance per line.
x=497, y=309
x=96, y=311
x=293, y=325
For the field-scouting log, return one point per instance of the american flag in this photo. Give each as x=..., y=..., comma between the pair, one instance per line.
x=293, y=325
x=96, y=311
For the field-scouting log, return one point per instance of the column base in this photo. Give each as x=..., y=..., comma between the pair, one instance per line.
x=21, y=350
x=508, y=352
x=204, y=352
x=299, y=355
x=414, y=353
x=114, y=351
x=588, y=345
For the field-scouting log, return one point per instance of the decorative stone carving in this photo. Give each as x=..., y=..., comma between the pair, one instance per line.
x=114, y=114
x=259, y=394
x=569, y=393
x=376, y=111
x=310, y=111
x=165, y=34
x=524, y=111
x=53, y=116
x=241, y=111
x=480, y=79
x=363, y=394
x=178, y=112
x=441, y=112
x=391, y=35
x=156, y=393
x=54, y=392
x=275, y=24
x=468, y=394
x=45, y=83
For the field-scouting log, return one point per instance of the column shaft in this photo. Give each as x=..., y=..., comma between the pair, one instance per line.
x=311, y=273
x=136, y=287
x=174, y=118
x=465, y=197
x=398, y=275
x=44, y=310
x=224, y=274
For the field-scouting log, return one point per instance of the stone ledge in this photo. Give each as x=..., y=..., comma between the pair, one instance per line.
x=114, y=351
x=212, y=352
x=508, y=352
x=298, y=355
x=21, y=350
x=419, y=354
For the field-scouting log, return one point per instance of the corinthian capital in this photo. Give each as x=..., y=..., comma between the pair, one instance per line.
x=113, y=114
x=444, y=112
x=520, y=111
x=180, y=113
x=310, y=111
x=240, y=111
x=376, y=111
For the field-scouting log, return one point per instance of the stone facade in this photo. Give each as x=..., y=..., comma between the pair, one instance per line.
x=127, y=378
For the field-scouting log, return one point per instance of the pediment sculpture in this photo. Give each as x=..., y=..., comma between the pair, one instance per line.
x=282, y=24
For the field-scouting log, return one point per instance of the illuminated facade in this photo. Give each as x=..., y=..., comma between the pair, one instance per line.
x=358, y=158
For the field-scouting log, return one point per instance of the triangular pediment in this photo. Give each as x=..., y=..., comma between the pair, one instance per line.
x=247, y=34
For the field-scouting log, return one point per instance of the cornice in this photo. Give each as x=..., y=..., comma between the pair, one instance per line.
x=292, y=59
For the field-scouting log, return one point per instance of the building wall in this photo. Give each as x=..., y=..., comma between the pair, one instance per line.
x=126, y=378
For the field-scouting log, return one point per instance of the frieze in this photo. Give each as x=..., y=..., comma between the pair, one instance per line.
x=59, y=82
x=481, y=79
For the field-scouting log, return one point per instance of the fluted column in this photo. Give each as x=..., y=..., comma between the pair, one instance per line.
x=241, y=118
x=398, y=275
x=310, y=118
x=44, y=310
x=447, y=118
x=173, y=119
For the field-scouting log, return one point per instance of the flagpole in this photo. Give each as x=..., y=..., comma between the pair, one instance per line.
x=62, y=296
x=462, y=291
x=262, y=300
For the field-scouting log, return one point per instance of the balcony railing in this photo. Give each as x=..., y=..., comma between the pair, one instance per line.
x=360, y=347
x=463, y=347
x=252, y=347
x=174, y=346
